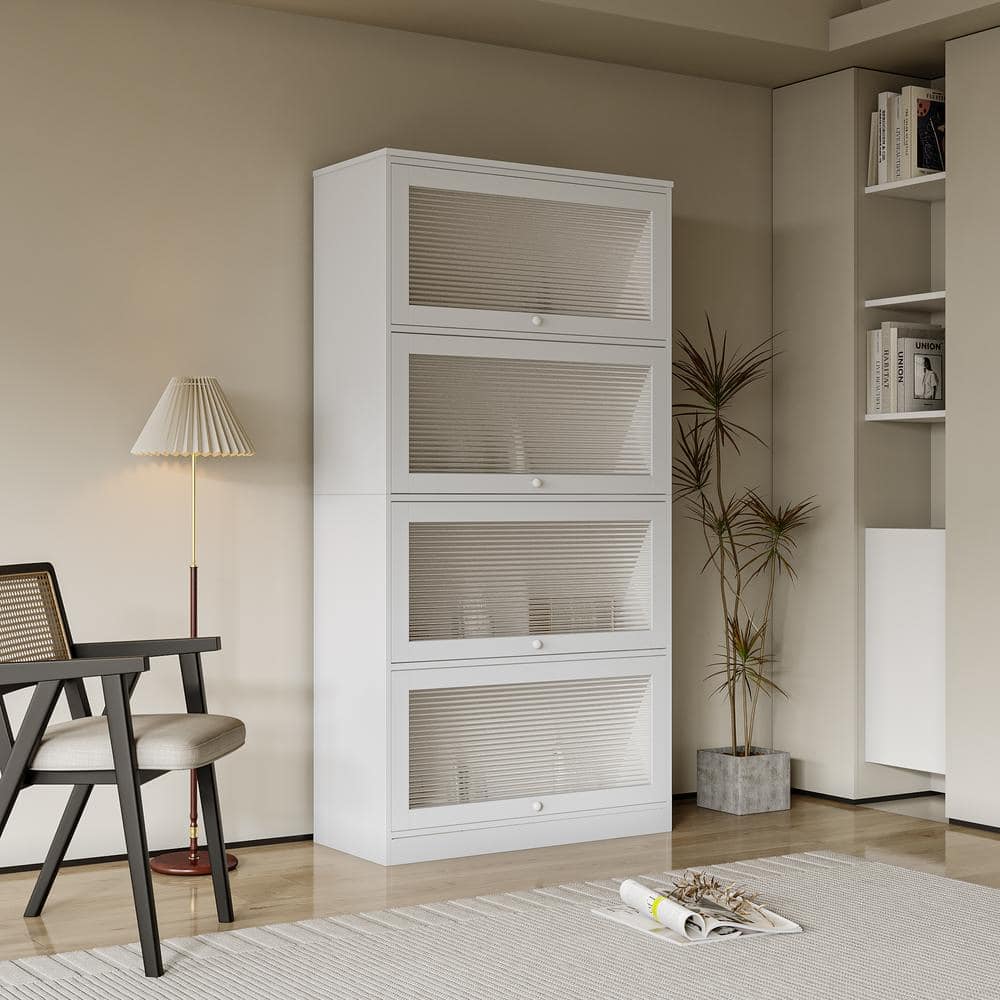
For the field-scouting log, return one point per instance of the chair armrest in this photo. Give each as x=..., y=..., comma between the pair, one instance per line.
x=35, y=671
x=148, y=647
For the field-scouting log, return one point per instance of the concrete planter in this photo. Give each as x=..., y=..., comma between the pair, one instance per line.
x=741, y=785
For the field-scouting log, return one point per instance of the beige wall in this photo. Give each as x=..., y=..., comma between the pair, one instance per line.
x=973, y=248
x=155, y=194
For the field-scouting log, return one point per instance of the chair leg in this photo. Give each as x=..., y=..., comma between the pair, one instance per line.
x=78, y=799
x=130, y=800
x=212, y=816
x=36, y=718
x=10, y=785
x=79, y=706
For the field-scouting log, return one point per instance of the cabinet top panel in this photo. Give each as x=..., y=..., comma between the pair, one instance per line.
x=487, y=166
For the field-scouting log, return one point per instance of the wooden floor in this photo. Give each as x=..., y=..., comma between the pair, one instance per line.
x=92, y=906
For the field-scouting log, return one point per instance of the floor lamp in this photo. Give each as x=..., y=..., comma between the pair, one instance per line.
x=193, y=419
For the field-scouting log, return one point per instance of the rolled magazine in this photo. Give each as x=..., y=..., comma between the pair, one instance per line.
x=656, y=914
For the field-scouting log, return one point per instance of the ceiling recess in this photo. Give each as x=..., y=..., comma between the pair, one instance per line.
x=766, y=42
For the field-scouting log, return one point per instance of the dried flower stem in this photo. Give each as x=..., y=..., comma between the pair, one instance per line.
x=694, y=887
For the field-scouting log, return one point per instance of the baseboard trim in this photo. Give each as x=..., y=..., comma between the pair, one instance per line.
x=234, y=845
x=686, y=796
x=968, y=824
x=869, y=800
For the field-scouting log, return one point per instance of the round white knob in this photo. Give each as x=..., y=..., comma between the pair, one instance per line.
x=536, y=807
x=536, y=320
x=536, y=482
x=536, y=643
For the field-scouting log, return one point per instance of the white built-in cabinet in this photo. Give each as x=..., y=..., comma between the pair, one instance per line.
x=492, y=534
x=847, y=258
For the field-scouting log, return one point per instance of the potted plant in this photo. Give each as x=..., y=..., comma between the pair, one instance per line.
x=750, y=542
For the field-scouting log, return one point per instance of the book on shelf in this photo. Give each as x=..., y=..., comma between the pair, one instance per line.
x=920, y=384
x=905, y=367
x=873, y=151
x=926, y=110
x=896, y=138
x=882, y=137
x=874, y=343
x=881, y=384
x=888, y=382
x=907, y=135
x=667, y=916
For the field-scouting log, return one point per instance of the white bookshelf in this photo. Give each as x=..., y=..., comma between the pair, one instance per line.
x=918, y=417
x=904, y=567
x=929, y=187
x=926, y=302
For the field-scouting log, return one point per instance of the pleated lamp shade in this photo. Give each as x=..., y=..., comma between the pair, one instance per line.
x=193, y=417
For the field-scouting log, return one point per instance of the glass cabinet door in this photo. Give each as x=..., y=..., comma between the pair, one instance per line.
x=494, y=252
x=513, y=741
x=479, y=415
x=480, y=579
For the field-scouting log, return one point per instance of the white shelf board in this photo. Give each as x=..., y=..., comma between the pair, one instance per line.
x=920, y=417
x=928, y=302
x=927, y=187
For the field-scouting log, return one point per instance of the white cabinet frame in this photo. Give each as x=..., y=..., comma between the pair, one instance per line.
x=405, y=681
x=403, y=314
x=404, y=513
x=594, y=259
x=404, y=481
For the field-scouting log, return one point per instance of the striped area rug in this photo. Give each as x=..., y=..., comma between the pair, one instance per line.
x=871, y=931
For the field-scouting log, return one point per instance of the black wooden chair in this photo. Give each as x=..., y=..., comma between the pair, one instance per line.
x=37, y=650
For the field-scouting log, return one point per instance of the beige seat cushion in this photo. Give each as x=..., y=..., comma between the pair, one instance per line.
x=162, y=743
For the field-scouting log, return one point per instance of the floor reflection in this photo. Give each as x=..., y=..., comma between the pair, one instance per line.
x=91, y=906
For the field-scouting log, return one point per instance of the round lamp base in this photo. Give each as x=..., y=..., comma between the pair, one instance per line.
x=180, y=863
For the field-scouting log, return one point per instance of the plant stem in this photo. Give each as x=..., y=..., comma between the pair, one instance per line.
x=765, y=624
x=746, y=721
x=717, y=442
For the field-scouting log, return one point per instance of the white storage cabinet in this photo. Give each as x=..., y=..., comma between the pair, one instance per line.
x=492, y=533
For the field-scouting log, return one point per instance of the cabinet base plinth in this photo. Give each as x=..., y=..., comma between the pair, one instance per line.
x=470, y=841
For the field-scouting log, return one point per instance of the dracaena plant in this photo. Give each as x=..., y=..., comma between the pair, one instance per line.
x=750, y=541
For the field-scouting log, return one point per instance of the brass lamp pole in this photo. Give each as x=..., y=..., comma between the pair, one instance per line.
x=192, y=419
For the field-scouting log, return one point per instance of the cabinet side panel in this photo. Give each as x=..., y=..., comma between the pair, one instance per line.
x=350, y=338
x=860, y=474
x=351, y=691
x=814, y=424
x=664, y=446
x=971, y=472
